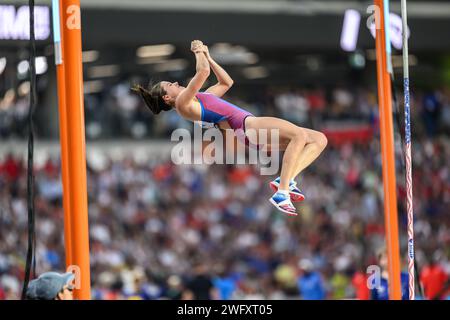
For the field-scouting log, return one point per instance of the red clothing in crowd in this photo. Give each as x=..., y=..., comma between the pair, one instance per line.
x=359, y=282
x=433, y=278
x=10, y=168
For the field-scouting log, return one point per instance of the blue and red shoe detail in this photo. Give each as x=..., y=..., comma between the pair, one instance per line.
x=283, y=203
x=294, y=192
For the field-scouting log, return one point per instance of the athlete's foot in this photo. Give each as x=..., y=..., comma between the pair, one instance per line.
x=282, y=202
x=294, y=192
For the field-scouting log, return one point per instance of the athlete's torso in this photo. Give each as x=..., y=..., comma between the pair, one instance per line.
x=212, y=110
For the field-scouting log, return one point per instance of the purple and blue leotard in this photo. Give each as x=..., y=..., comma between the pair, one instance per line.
x=215, y=110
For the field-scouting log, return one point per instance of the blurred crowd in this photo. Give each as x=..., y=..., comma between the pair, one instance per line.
x=161, y=231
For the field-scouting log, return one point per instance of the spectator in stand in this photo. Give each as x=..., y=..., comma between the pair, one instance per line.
x=359, y=282
x=225, y=284
x=431, y=112
x=435, y=281
x=201, y=284
x=2, y=294
x=310, y=283
x=51, y=286
x=382, y=291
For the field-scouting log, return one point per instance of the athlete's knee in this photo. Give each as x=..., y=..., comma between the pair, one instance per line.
x=299, y=135
x=321, y=140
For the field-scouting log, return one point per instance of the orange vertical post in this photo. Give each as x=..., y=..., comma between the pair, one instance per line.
x=59, y=53
x=73, y=74
x=388, y=158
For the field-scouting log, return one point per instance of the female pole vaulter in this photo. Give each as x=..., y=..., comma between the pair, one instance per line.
x=301, y=146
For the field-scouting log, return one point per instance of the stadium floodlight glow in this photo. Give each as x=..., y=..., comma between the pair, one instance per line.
x=397, y=61
x=256, y=72
x=93, y=86
x=22, y=67
x=159, y=50
x=90, y=56
x=350, y=30
x=357, y=60
x=313, y=63
x=151, y=60
x=224, y=48
x=104, y=71
x=226, y=53
x=251, y=58
x=2, y=64
x=371, y=54
x=41, y=65
x=171, y=65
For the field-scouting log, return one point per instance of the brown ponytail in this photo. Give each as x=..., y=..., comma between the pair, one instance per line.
x=153, y=97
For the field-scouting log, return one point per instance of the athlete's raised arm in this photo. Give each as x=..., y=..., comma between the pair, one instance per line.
x=224, y=81
x=202, y=73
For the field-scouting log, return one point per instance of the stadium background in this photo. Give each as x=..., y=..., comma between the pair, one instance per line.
x=164, y=231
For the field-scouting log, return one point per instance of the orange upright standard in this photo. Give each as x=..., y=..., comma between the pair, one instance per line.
x=388, y=156
x=73, y=145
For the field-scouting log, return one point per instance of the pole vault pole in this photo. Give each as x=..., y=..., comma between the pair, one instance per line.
x=409, y=192
x=73, y=74
x=388, y=158
x=57, y=38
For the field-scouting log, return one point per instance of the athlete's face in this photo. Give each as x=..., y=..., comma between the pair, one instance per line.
x=172, y=90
